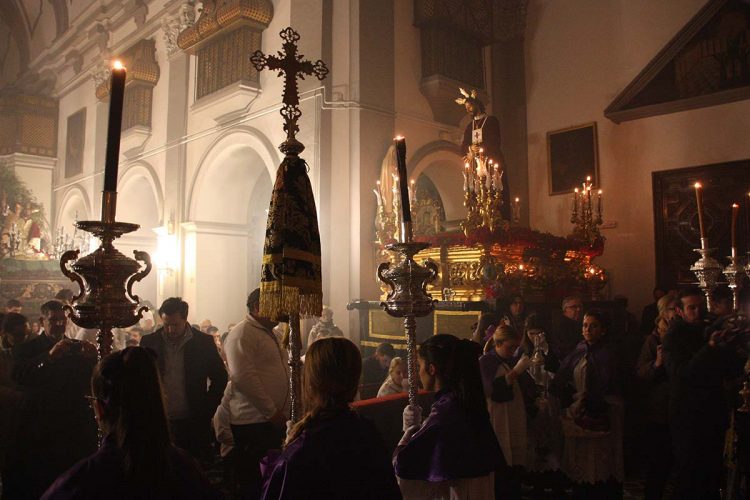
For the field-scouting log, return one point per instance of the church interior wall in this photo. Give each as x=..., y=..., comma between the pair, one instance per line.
x=568, y=86
x=140, y=197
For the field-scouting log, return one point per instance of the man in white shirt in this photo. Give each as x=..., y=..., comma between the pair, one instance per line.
x=259, y=400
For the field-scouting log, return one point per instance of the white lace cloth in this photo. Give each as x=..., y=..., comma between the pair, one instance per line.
x=591, y=457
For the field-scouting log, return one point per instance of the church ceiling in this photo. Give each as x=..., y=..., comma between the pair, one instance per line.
x=706, y=63
x=27, y=27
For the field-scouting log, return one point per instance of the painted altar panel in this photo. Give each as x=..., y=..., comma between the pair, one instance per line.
x=676, y=217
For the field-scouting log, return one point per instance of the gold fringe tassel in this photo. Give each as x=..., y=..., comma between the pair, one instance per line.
x=278, y=301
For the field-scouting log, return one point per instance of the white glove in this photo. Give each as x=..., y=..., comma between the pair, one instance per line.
x=289, y=425
x=412, y=416
x=408, y=433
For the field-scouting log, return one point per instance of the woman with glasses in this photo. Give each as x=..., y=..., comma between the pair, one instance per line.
x=136, y=458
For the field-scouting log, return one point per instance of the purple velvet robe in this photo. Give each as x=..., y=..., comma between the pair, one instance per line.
x=604, y=376
x=450, y=445
x=340, y=456
x=102, y=476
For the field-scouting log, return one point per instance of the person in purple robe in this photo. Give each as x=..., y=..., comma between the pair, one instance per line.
x=454, y=453
x=332, y=452
x=593, y=417
x=136, y=458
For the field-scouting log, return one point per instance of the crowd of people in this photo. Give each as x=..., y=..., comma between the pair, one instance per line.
x=527, y=406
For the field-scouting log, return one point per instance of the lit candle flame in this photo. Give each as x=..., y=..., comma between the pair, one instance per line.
x=576, y=191
x=588, y=178
x=117, y=65
x=600, y=191
x=398, y=138
x=734, y=205
x=698, y=185
x=517, y=199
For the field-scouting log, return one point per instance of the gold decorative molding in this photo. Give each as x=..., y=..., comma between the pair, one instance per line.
x=28, y=124
x=142, y=75
x=140, y=62
x=215, y=18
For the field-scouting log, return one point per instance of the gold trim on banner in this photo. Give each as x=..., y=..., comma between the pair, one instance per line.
x=386, y=336
x=368, y=343
x=277, y=258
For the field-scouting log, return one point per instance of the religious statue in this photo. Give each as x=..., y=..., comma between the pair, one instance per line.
x=483, y=132
x=324, y=328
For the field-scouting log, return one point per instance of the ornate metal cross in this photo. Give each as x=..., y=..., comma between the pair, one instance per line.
x=292, y=66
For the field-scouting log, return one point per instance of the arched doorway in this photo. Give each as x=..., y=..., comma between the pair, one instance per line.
x=139, y=202
x=226, y=229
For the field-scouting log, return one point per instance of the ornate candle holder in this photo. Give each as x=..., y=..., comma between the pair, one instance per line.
x=106, y=278
x=733, y=273
x=707, y=270
x=483, y=194
x=408, y=297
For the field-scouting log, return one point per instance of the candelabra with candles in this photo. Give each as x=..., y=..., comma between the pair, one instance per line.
x=706, y=268
x=64, y=241
x=408, y=280
x=585, y=216
x=483, y=194
x=106, y=276
x=733, y=271
x=14, y=240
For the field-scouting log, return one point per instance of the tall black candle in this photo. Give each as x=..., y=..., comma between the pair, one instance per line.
x=112, y=158
x=403, y=180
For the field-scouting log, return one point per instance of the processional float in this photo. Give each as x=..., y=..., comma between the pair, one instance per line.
x=291, y=283
x=106, y=276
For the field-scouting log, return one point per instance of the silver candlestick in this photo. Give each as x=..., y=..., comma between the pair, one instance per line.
x=707, y=270
x=408, y=297
x=733, y=273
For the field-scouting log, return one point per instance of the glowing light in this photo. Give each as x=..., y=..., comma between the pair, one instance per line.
x=117, y=65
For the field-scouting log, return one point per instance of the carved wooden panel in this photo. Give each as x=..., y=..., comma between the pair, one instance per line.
x=676, y=217
x=453, y=33
x=706, y=63
x=225, y=60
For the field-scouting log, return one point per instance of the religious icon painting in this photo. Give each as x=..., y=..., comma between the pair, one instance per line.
x=74, y=143
x=572, y=155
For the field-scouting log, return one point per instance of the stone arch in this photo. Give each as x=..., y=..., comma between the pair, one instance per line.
x=74, y=199
x=230, y=145
x=226, y=213
x=147, y=172
x=140, y=201
x=437, y=160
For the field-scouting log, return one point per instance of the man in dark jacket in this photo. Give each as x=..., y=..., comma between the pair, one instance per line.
x=565, y=332
x=697, y=368
x=56, y=427
x=193, y=375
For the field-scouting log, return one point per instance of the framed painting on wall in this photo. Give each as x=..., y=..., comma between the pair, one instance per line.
x=572, y=155
x=74, y=143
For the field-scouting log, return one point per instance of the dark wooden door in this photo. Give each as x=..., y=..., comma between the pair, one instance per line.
x=676, y=217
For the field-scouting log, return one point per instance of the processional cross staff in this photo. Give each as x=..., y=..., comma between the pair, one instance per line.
x=291, y=278
x=292, y=66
